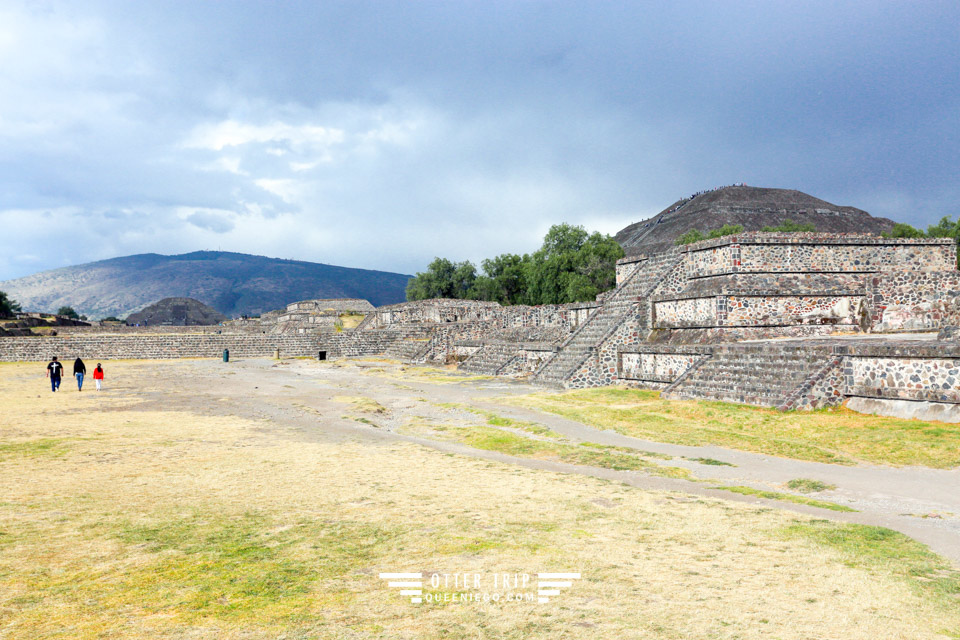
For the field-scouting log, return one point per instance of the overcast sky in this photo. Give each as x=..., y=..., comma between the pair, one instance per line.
x=381, y=134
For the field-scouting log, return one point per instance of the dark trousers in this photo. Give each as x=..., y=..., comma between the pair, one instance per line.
x=54, y=383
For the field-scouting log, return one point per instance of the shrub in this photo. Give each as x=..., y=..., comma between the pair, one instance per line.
x=789, y=226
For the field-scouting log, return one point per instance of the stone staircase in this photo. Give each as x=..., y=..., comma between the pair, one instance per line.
x=406, y=349
x=762, y=374
x=490, y=358
x=625, y=301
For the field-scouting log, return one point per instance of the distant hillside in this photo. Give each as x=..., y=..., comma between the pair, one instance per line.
x=232, y=283
x=751, y=207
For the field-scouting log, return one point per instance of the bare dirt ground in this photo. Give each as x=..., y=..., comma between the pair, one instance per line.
x=260, y=499
x=920, y=502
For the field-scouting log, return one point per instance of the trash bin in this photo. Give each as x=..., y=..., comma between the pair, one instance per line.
x=226, y=355
x=321, y=355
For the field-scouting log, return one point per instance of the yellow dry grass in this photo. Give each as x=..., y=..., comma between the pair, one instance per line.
x=127, y=522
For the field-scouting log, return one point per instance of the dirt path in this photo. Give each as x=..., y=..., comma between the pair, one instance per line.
x=309, y=400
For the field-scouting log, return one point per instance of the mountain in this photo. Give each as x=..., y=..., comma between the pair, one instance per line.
x=232, y=283
x=751, y=207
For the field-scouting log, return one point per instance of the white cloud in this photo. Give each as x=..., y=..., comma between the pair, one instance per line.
x=232, y=133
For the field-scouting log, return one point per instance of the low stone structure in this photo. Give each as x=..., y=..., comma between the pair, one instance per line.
x=305, y=316
x=107, y=347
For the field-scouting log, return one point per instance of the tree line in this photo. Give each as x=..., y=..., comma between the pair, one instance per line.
x=946, y=228
x=572, y=265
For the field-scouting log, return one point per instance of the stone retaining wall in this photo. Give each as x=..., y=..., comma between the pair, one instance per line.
x=655, y=367
x=912, y=301
x=903, y=370
x=123, y=330
x=758, y=252
x=102, y=347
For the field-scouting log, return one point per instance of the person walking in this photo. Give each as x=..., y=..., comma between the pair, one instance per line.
x=79, y=370
x=98, y=375
x=55, y=373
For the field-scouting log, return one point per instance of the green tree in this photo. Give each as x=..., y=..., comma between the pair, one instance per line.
x=504, y=279
x=903, y=230
x=946, y=228
x=7, y=306
x=571, y=266
x=442, y=279
x=68, y=312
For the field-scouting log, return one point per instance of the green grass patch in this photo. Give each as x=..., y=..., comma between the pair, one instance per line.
x=805, y=485
x=885, y=551
x=775, y=495
x=496, y=420
x=713, y=462
x=42, y=447
x=240, y=567
x=837, y=436
x=492, y=439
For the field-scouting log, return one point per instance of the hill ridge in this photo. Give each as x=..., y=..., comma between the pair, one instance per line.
x=751, y=207
x=232, y=283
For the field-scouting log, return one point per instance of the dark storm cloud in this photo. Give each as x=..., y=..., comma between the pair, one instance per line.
x=381, y=134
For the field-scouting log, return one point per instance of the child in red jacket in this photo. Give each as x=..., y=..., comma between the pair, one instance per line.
x=98, y=376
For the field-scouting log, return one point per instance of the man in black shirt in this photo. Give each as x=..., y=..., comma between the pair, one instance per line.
x=55, y=373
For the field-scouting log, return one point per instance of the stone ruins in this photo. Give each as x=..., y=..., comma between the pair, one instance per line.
x=786, y=320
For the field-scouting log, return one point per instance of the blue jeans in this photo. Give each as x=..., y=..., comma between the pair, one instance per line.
x=79, y=381
x=54, y=383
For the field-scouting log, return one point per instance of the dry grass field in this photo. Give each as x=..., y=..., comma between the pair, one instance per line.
x=142, y=513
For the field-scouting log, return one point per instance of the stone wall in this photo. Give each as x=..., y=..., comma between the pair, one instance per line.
x=746, y=311
x=107, y=347
x=332, y=305
x=914, y=301
x=691, y=312
x=653, y=366
x=124, y=330
x=904, y=371
x=434, y=311
x=528, y=360
x=627, y=266
x=758, y=252
x=496, y=317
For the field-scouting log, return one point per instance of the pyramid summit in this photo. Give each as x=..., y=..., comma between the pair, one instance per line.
x=751, y=207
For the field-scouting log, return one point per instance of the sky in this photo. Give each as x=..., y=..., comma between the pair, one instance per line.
x=382, y=134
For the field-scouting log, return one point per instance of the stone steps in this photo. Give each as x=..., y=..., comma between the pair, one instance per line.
x=405, y=349
x=490, y=358
x=763, y=375
x=625, y=301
